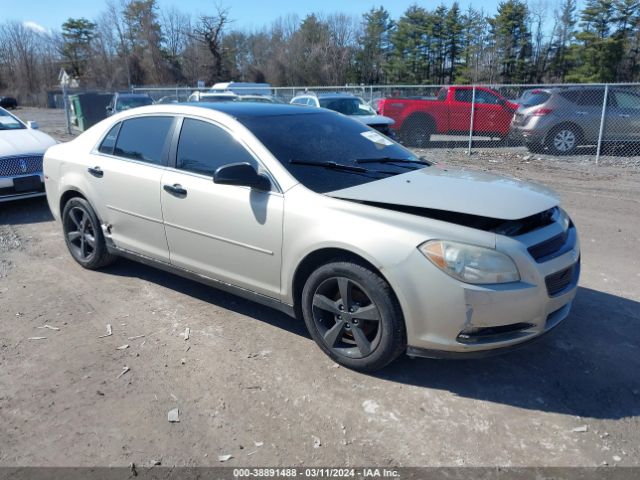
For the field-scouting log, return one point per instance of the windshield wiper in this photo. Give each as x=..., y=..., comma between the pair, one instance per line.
x=331, y=165
x=392, y=160
x=341, y=167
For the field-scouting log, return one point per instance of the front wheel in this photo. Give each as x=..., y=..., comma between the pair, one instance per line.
x=563, y=140
x=353, y=315
x=83, y=235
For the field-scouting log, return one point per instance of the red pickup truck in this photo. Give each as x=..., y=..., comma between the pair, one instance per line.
x=449, y=113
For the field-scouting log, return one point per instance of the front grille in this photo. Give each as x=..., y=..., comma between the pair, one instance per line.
x=559, y=281
x=548, y=247
x=20, y=165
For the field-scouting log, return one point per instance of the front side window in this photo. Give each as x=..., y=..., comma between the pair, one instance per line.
x=627, y=100
x=203, y=147
x=143, y=139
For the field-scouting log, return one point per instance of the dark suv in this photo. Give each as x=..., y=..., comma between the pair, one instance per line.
x=561, y=119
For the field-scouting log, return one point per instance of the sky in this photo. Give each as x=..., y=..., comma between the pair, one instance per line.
x=247, y=14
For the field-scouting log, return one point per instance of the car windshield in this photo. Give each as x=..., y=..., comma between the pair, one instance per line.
x=132, y=102
x=9, y=122
x=346, y=106
x=324, y=151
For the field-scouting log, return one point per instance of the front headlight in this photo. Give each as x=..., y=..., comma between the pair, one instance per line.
x=469, y=263
x=563, y=218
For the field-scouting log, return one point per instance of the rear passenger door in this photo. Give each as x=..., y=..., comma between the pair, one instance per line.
x=588, y=114
x=125, y=174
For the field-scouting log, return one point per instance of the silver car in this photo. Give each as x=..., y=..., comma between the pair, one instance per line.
x=313, y=213
x=562, y=119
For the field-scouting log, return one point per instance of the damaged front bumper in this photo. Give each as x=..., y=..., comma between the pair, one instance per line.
x=446, y=318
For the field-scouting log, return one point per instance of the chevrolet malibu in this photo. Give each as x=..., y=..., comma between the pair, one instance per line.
x=313, y=213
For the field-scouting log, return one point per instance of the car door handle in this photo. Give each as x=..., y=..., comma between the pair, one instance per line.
x=175, y=189
x=96, y=171
x=581, y=113
x=624, y=115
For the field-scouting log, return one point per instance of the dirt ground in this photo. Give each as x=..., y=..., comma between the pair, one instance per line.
x=249, y=382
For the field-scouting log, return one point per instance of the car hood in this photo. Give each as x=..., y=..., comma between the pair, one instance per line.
x=456, y=190
x=374, y=119
x=24, y=141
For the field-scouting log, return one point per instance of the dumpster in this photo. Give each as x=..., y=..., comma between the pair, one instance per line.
x=87, y=109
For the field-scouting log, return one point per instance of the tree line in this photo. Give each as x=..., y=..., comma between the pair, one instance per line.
x=135, y=42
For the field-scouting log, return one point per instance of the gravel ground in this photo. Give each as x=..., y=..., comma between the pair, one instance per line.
x=250, y=383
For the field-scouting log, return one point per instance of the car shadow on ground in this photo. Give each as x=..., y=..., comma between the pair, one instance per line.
x=21, y=212
x=588, y=366
x=234, y=303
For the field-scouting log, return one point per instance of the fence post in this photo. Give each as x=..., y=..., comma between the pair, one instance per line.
x=602, y=116
x=473, y=111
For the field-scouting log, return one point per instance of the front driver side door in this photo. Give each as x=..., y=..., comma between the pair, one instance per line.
x=226, y=232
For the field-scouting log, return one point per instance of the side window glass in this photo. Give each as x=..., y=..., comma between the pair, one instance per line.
x=486, y=97
x=627, y=100
x=592, y=98
x=143, y=139
x=110, y=140
x=572, y=95
x=463, y=95
x=203, y=147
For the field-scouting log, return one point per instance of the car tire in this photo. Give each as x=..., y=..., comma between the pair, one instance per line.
x=416, y=131
x=563, y=140
x=353, y=315
x=83, y=235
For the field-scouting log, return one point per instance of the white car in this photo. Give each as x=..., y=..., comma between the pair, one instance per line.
x=305, y=210
x=350, y=105
x=22, y=147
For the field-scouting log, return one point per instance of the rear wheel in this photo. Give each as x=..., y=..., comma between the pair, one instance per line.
x=563, y=140
x=417, y=131
x=83, y=235
x=353, y=315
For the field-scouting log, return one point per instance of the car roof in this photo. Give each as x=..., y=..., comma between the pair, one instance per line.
x=257, y=109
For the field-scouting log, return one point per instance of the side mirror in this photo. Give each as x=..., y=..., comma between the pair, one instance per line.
x=241, y=174
x=33, y=125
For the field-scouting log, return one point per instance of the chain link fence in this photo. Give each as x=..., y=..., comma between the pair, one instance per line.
x=573, y=121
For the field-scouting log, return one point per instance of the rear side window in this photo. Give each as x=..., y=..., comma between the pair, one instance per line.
x=143, y=139
x=572, y=95
x=110, y=140
x=536, y=98
x=488, y=98
x=464, y=95
x=203, y=147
